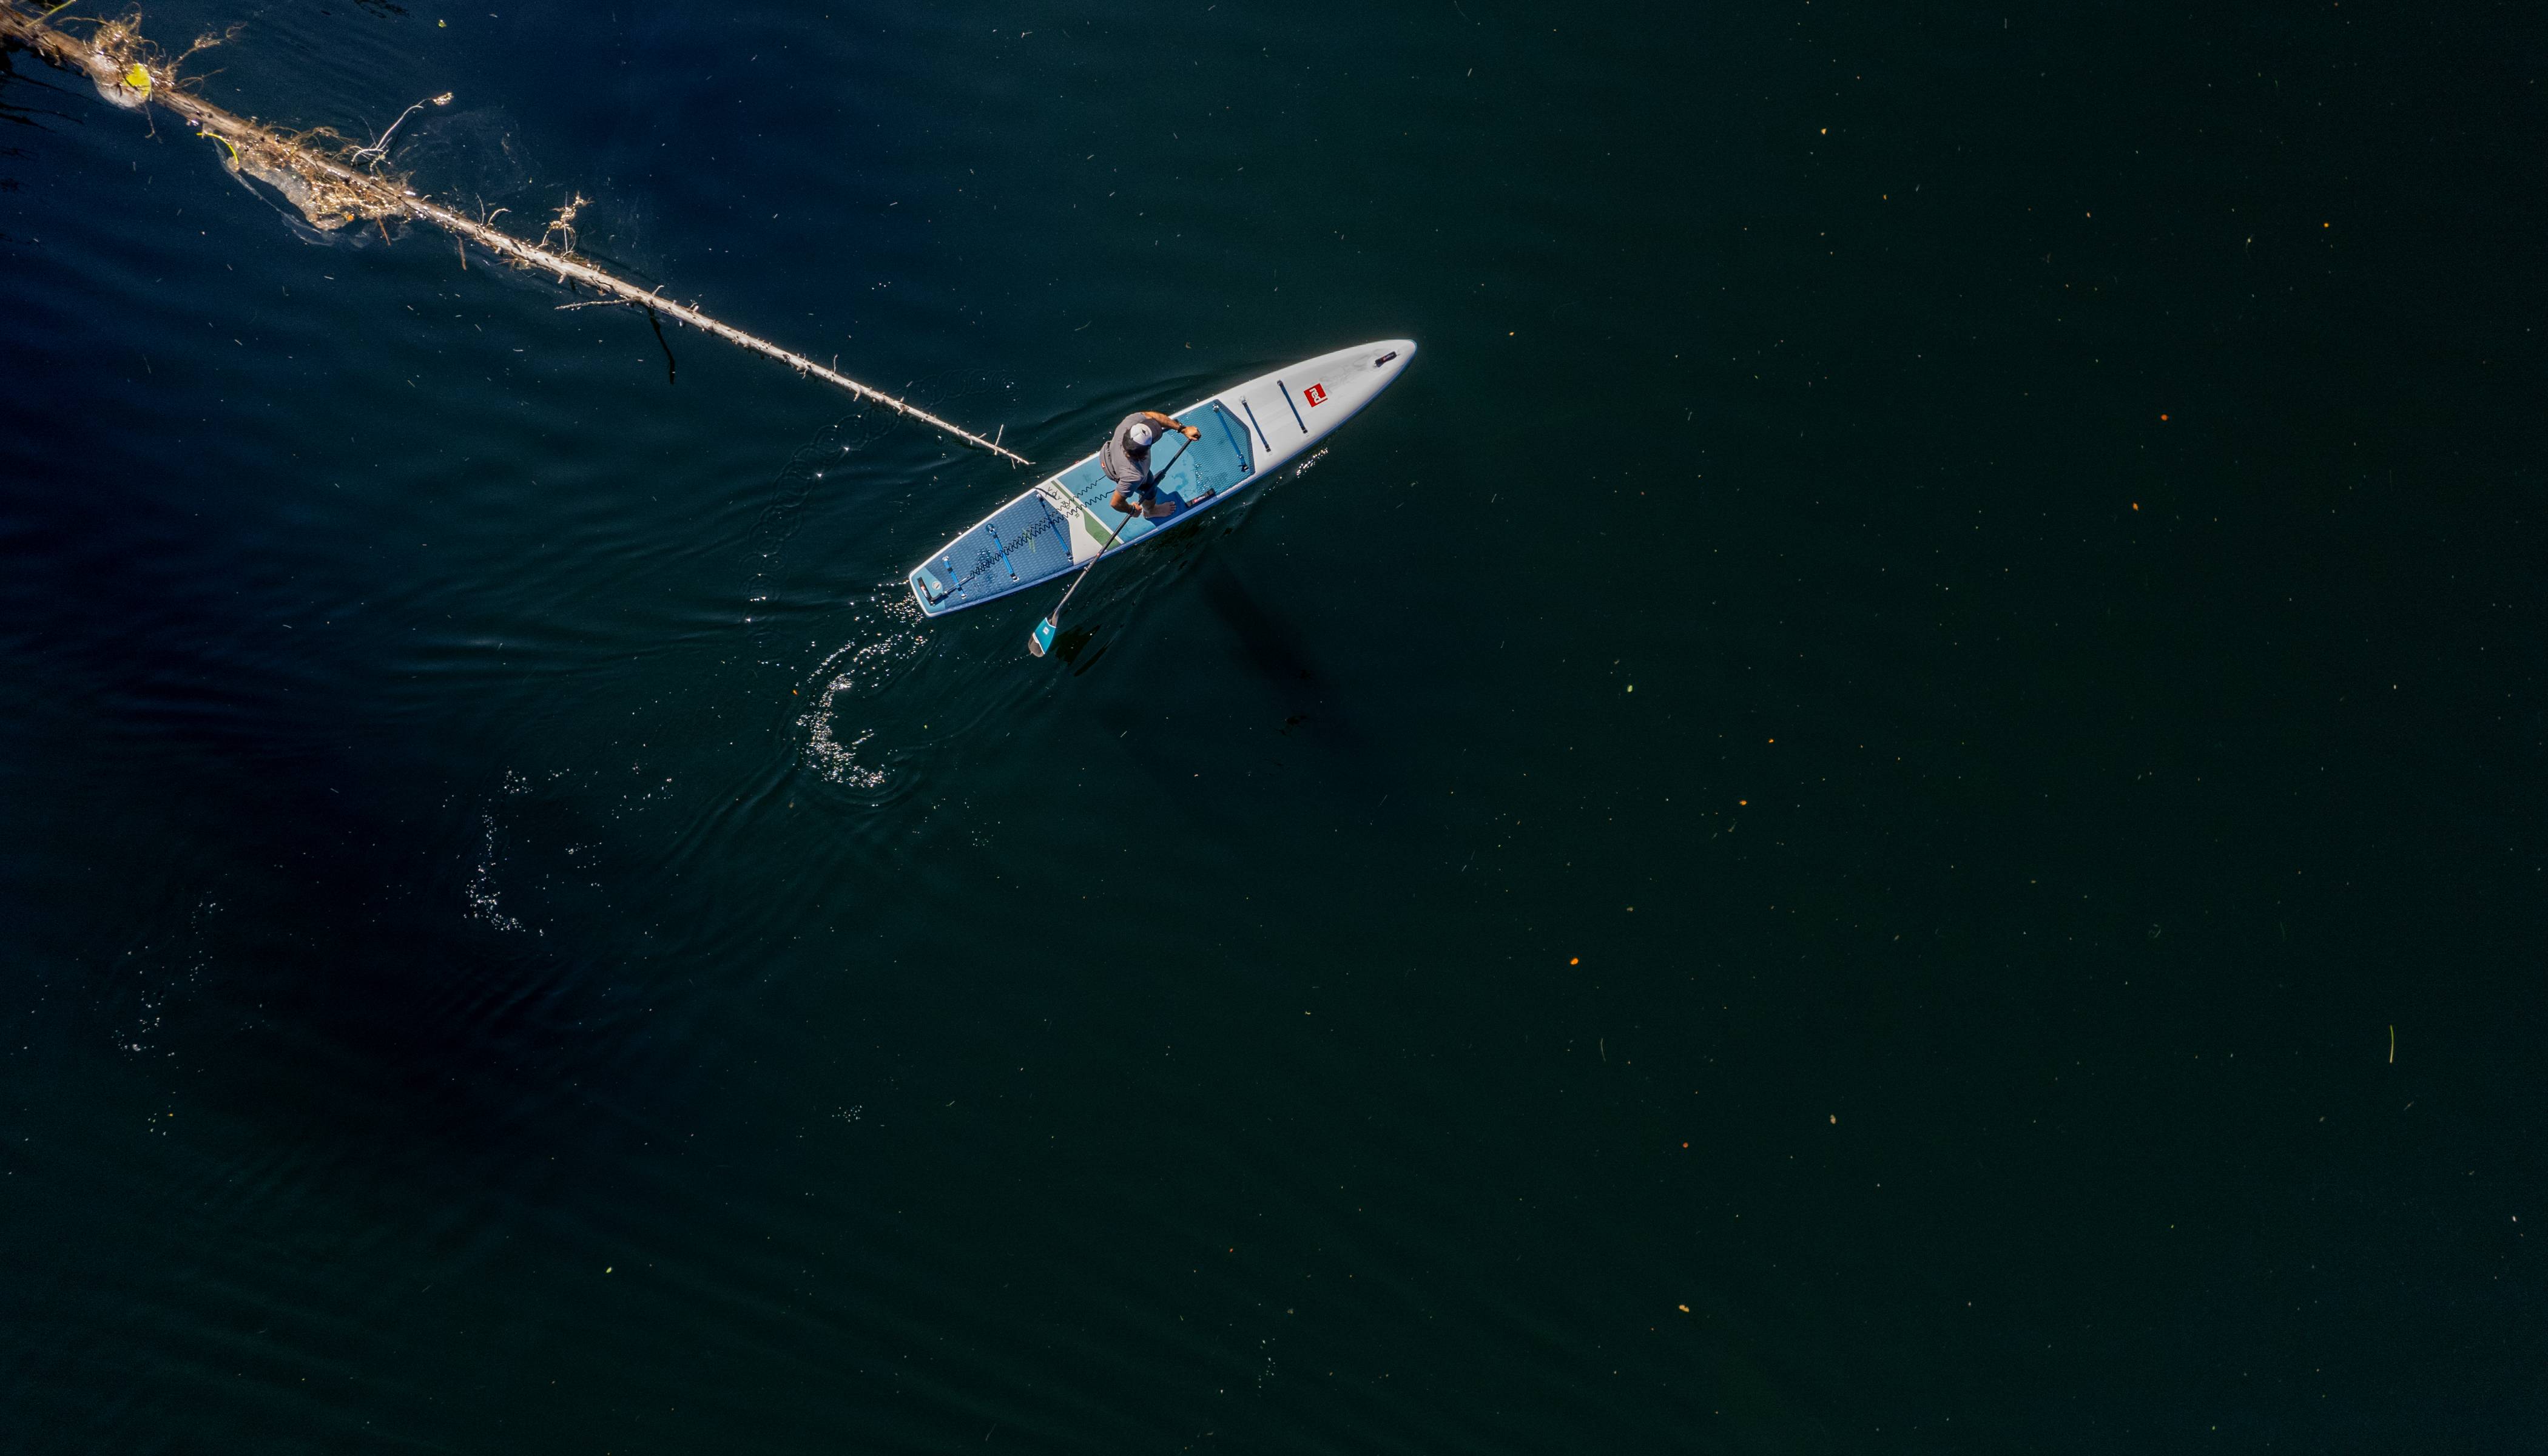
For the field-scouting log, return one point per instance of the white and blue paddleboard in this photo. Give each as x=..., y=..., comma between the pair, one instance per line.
x=1249, y=431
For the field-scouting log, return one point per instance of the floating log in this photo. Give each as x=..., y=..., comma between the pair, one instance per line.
x=324, y=177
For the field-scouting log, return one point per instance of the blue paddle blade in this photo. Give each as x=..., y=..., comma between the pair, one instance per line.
x=1042, y=642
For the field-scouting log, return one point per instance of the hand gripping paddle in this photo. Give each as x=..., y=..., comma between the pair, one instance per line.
x=1042, y=642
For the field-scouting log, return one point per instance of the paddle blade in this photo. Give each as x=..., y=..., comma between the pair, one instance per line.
x=1042, y=642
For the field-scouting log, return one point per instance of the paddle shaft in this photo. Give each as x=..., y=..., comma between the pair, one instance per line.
x=1056, y=616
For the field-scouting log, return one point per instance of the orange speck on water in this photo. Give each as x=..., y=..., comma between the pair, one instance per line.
x=2163, y=420
x=1575, y=961
x=1742, y=801
x=2137, y=505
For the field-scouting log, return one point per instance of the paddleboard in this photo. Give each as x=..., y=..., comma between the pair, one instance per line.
x=1249, y=433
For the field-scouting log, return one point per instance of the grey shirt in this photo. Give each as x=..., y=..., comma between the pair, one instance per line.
x=1124, y=464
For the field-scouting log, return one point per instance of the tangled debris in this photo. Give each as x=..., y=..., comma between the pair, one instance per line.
x=337, y=182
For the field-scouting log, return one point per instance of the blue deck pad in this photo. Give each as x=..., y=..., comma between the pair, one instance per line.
x=1027, y=541
x=1218, y=460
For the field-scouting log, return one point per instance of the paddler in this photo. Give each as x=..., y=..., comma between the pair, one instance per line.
x=1126, y=461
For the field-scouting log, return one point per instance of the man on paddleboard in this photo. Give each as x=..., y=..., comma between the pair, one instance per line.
x=1126, y=461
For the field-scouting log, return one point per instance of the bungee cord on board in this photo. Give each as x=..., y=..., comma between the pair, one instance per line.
x=335, y=183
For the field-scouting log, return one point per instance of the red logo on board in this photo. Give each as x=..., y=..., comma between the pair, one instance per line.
x=1316, y=393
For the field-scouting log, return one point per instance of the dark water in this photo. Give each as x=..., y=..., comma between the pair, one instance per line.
x=519, y=941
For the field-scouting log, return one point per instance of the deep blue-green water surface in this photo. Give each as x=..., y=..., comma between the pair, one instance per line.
x=1892, y=803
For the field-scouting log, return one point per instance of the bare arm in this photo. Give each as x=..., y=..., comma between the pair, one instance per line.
x=1170, y=422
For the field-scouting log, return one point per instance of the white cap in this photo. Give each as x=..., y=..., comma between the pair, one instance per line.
x=1141, y=436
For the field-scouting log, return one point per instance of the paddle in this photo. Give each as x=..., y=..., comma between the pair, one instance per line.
x=1041, y=641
